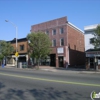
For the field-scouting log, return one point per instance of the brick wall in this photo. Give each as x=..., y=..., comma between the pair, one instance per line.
x=76, y=45
x=75, y=39
x=25, y=43
x=49, y=24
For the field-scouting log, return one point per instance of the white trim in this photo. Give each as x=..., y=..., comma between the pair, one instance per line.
x=53, y=43
x=60, y=30
x=53, y=31
x=90, y=27
x=75, y=27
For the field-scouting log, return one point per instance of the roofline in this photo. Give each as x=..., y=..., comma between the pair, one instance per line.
x=90, y=27
x=17, y=39
x=49, y=21
x=75, y=27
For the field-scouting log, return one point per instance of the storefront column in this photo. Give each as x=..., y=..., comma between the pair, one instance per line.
x=87, y=63
x=96, y=63
x=66, y=56
x=27, y=60
x=57, y=63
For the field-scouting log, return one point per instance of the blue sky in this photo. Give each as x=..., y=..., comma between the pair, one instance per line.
x=24, y=13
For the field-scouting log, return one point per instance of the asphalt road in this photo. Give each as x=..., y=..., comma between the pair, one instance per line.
x=16, y=84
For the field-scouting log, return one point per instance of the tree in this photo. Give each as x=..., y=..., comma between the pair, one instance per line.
x=96, y=40
x=5, y=49
x=39, y=45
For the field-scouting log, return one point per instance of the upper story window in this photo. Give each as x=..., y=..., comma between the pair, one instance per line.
x=62, y=42
x=54, y=32
x=92, y=40
x=21, y=47
x=47, y=32
x=54, y=43
x=61, y=30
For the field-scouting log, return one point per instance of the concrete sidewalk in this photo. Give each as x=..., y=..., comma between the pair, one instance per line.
x=54, y=69
x=70, y=70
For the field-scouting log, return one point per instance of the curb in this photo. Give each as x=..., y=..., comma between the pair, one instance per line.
x=56, y=70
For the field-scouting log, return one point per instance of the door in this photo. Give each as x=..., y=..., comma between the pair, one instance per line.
x=60, y=60
x=53, y=60
x=91, y=62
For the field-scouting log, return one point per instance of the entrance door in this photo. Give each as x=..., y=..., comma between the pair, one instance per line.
x=91, y=62
x=60, y=60
x=53, y=60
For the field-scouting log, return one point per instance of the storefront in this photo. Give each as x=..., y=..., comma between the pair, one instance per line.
x=11, y=60
x=92, y=59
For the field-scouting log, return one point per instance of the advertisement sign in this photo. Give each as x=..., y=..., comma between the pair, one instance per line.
x=60, y=50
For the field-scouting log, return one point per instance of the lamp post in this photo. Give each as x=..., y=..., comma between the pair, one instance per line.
x=16, y=38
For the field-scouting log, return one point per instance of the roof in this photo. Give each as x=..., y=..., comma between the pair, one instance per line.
x=19, y=40
x=90, y=50
x=90, y=28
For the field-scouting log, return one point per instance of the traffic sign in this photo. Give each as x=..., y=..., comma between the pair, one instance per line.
x=16, y=54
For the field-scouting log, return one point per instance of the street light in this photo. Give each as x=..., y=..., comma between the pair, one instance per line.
x=16, y=37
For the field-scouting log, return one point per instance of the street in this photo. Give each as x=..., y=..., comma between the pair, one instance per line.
x=18, y=84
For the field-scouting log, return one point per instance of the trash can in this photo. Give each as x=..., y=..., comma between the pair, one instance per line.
x=20, y=65
x=2, y=65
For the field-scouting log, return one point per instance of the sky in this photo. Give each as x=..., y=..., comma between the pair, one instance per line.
x=25, y=13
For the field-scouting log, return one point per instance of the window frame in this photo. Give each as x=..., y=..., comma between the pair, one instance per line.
x=22, y=47
x=47, y=32
x=54, y=33
x=54, y=43
x=61, y=42
x=61, y=32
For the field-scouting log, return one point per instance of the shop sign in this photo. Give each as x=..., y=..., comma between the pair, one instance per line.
x=60, y=50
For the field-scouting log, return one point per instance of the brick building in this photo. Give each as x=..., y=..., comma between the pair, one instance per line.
x=22, y=50
x=67, y=42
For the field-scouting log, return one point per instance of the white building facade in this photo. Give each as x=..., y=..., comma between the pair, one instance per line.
x=92, y=55
x=89, y=31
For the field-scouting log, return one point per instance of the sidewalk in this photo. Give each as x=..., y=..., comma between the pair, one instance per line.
x=70, y=70
x=54, y=69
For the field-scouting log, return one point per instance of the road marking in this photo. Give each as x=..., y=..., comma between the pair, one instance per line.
x=48, y=80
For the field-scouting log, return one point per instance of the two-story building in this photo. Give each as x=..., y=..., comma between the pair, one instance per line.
x=92, y=55
x=22, y=49
x=68, y=47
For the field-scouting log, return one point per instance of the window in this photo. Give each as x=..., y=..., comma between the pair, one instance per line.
x=54, y=32
x=21, y=47
x=47, y=32
x=61, y=30
x=53, y=43
x=61, y=42
x=92, y=40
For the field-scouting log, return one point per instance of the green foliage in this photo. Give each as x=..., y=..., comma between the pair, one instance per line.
x=96, y=40
x=5, y=49
x=39, y=46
